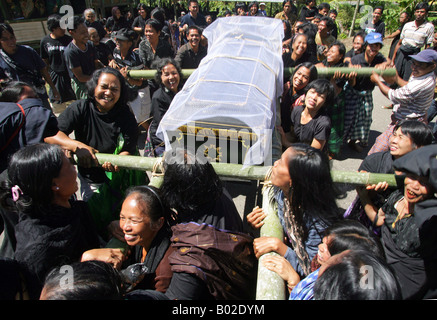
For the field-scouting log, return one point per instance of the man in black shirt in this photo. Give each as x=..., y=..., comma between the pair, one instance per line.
x=191, y=53
x=52, y=52
x=376, y=24
x=81, y=58
x=308, y=11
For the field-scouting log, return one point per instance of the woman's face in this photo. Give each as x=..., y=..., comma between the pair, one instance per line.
x=65, y=184
x=150, y=33
x=117, y=13
x=333, y=56
x=358, y=44
x=301, y=78
x=314, y=101
x=400, y=144
x=107, y=92
x=416, y=188
x=135, y=222
x=8, y=42
x=94, y=37
x=300, y=45
x=170, y=77
x=323, y=254
x=280, y=176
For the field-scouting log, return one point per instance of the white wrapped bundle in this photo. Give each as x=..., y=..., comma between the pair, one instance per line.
x=236, y=85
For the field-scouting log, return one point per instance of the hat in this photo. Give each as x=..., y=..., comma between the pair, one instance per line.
x=125, y=34
x=373, y=37
x=262, y=4
x=427, y=55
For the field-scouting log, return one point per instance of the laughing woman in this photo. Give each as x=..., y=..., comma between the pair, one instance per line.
x=168, y=77
x=103, y=123
x=408, y=222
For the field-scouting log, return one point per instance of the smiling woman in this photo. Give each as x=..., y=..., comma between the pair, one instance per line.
x=98, y=124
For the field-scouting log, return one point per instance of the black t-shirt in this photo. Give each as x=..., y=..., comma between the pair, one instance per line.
x=307, y=13
x=318, y=128
x=53, y=50
x=378, y=27
x=139, y=22
x=103, y=53
x=364, y=83
x=379, y=162
x=75, y=57
x=99, y=130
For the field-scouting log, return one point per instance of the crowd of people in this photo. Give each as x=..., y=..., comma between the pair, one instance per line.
x=186, y=240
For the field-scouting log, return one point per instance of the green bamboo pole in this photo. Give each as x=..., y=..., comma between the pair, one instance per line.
x=245, y=173
x=365, y=72
x=269, y=285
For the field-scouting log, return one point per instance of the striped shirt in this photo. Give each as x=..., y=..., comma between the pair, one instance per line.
x=413, y=100
x=417, y=36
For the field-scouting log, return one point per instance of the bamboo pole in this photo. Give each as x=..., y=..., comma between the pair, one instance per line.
x=365, y=72
x=245, y=173
x=269, y=285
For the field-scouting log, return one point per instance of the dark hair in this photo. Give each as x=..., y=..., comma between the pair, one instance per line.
x=6, y=27
x=341, y=48
x=323, y=86
x=32, y=169
x=324, y=5
x=189, y=183
x=352, y=235
x=422, y=5
x=77, y=21
x=158, y=14
x=92, y=280
x=114, y=11
x=194, y=27
x=307, y=2
x=380, y=8
x=151, y=197
x=330, y=24
x=53, y=22
x=13, y=91
x=159, y=64
x=141, y=6
x=155, y=24
x=344, y=280
x=361, y=34
x=308, y=65
x=333, y=11
x=313, y=192
x=419, y=132
x=254, y=3
x=126, y=93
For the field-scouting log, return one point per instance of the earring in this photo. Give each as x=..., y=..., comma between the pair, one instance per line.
x=57, y=188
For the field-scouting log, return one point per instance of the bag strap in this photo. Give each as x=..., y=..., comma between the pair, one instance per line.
x=16, y=130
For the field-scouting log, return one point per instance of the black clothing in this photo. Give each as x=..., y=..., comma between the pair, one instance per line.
x=39, y=124
x=161, y=101
x=307, y=13
x=53, y=51
x=187, y=58
x=100, y=131
x=50, y=237
x=98, y=26
x=364, y=83
x=379, y=162
x=115, y=25
x=75, y=57
x=103, y=52
x=378, y=27
x=139, y=22
x=318, y=128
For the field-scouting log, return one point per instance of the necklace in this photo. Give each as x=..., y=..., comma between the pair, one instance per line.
x=401, y=211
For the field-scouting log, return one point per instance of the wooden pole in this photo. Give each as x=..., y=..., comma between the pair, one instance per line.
x=365, y=72
x=245, y=173
x=269, y=285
